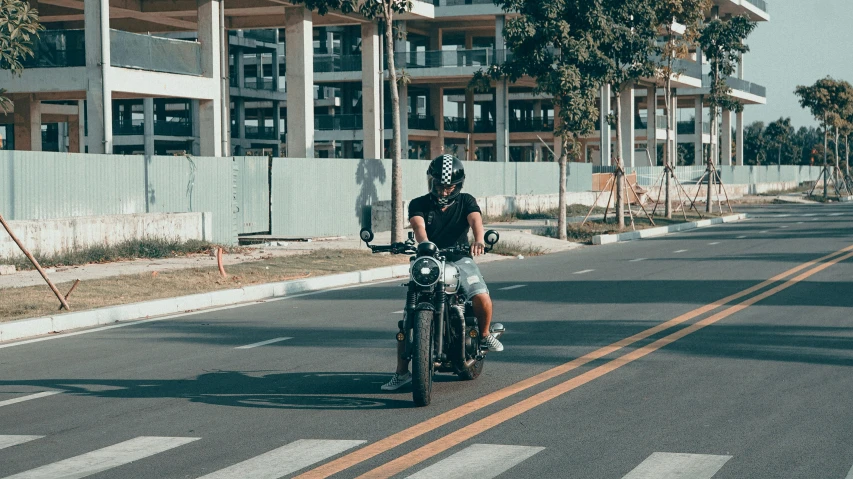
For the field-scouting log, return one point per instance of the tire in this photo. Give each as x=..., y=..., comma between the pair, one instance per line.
x=422, y=360
x=473, y=372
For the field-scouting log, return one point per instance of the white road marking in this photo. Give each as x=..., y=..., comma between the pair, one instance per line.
x=712, y=244
x=782, y=227
x=800, y=222
x=680, y=251
x=284, y=460
x=764, y=231
x=9, y=441
x=741, y=237
x=483, y=461
x=783, y=216
x=513, y=287
x=106, y=458
x=835, y=214
x=134, y=322
x=28, y=398
x=584, y=271
x=668, y=465
x=810, y=214
x=850, y=474
x=635, y=260
x=262, y=343
x=399, y=312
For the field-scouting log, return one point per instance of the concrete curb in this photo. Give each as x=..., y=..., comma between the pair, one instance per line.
x=664, y=230
x=26, y=328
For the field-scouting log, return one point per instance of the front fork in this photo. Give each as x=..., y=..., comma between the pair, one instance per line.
x=405, y=325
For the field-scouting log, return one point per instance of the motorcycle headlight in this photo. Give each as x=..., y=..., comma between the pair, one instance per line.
x=426, y=271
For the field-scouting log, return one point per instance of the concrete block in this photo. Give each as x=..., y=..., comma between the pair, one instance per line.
x=25, y=328
x=7, y=269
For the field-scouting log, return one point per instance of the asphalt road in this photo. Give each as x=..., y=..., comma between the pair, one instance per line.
x=721, y=352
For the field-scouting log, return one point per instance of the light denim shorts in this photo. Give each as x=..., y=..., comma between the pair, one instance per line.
x=471, y=282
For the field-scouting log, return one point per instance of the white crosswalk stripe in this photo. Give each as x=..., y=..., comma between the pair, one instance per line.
x=9, y=441
x=284, y=460
x=262, y=343
x=28, y=397
x=106, y=458
x=513, y=287
x=669, y=465
x=483, y=461
x=850, y=474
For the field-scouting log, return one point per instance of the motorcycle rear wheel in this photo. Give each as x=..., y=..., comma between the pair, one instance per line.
x=422, y=360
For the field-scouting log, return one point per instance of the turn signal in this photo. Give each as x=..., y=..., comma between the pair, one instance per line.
x=401, y=337
x=473, y=333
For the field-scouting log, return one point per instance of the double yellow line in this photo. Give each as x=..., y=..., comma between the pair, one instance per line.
x=454, y=438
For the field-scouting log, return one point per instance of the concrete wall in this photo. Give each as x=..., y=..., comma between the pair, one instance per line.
x=54, y=236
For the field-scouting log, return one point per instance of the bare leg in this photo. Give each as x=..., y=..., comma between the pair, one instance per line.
x=402, y=364
x=483, y=311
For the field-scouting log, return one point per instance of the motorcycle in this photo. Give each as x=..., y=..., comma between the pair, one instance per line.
x=439, y=329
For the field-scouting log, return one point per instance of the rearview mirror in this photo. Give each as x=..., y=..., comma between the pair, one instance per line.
x=366, y=235
x=492, y=237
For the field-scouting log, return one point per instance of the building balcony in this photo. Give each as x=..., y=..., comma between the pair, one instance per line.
x=128, y=128
x=338, y=122
x=336, y=63
x=175, y=127
x=67, y=48
x=477, y=57
x=460, y=125
x=260, y=133
x=689, y=127
x=531, y=125
x=738, y=84
x=422, y=122
x=254, y=83
x=761, y=4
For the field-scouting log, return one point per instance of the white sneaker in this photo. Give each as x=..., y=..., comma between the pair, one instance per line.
x=491, y=343
x=398, y=381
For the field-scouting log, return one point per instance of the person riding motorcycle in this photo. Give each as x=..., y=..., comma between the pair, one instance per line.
x=444, y=217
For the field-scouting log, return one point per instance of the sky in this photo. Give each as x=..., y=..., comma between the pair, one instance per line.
x=805, y=40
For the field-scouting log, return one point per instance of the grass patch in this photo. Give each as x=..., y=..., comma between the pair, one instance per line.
x=39, y=301
x=514, y=248
x=583, y=234
x=571, y=210
x=133, y=249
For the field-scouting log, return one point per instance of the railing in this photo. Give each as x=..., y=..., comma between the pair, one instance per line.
x=738, y=84
x=266, y=36
x=642, y=124
x=531, y=124
x=484, y=125
x=456, y=124
x=260, y=132
x=182, y=127
x=337, y=63
x=58, y=48
x=477, y=57
x=146, y=52
x=338, y=122
x=689, y=127
x=759, y=3
x=259, y=84
x=453, y=3
x=134, y=127
x=421, y=122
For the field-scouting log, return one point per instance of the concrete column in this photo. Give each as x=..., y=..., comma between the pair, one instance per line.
x=726, y=139
x=739, y=137
x=604, y=126
x=98, y=94
x=371, y=84
x=699, y=130
x=276, y=119
x=300, y=82
x=673, y=125
x=148, y=125
x=627, y=109
x=436, y=39
x=501, y=98
x=195, y=147
x=239, y=66
x=62, y=136
x=404, y=120
x=240, y=113
x=259, y=71
x=436, y=101
x=469, y=115
x=651, y=124
x=210, y=111
x=74, y=135
x=27, y=119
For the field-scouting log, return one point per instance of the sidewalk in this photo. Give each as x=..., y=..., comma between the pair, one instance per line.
x=519, y=232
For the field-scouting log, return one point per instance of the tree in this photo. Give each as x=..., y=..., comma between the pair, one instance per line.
x=754, y=143
x=778, y=135
x=19, y=27
x=554, y=44
x=722, y=42
x=627, y=33
x=383, y=11
x=690, y=14
x=826, y=100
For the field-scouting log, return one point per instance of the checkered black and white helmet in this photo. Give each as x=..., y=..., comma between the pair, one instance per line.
x=445, y=170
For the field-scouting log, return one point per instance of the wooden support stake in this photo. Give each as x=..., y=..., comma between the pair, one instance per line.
x=219, y=263
x=36, y=264
x=595, y=203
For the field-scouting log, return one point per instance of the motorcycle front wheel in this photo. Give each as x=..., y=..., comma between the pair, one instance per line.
x=422, y=360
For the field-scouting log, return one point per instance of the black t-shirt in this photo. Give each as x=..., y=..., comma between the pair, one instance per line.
x=449, y=227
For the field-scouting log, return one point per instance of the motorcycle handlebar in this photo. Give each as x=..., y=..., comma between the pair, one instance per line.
x=409, y=248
